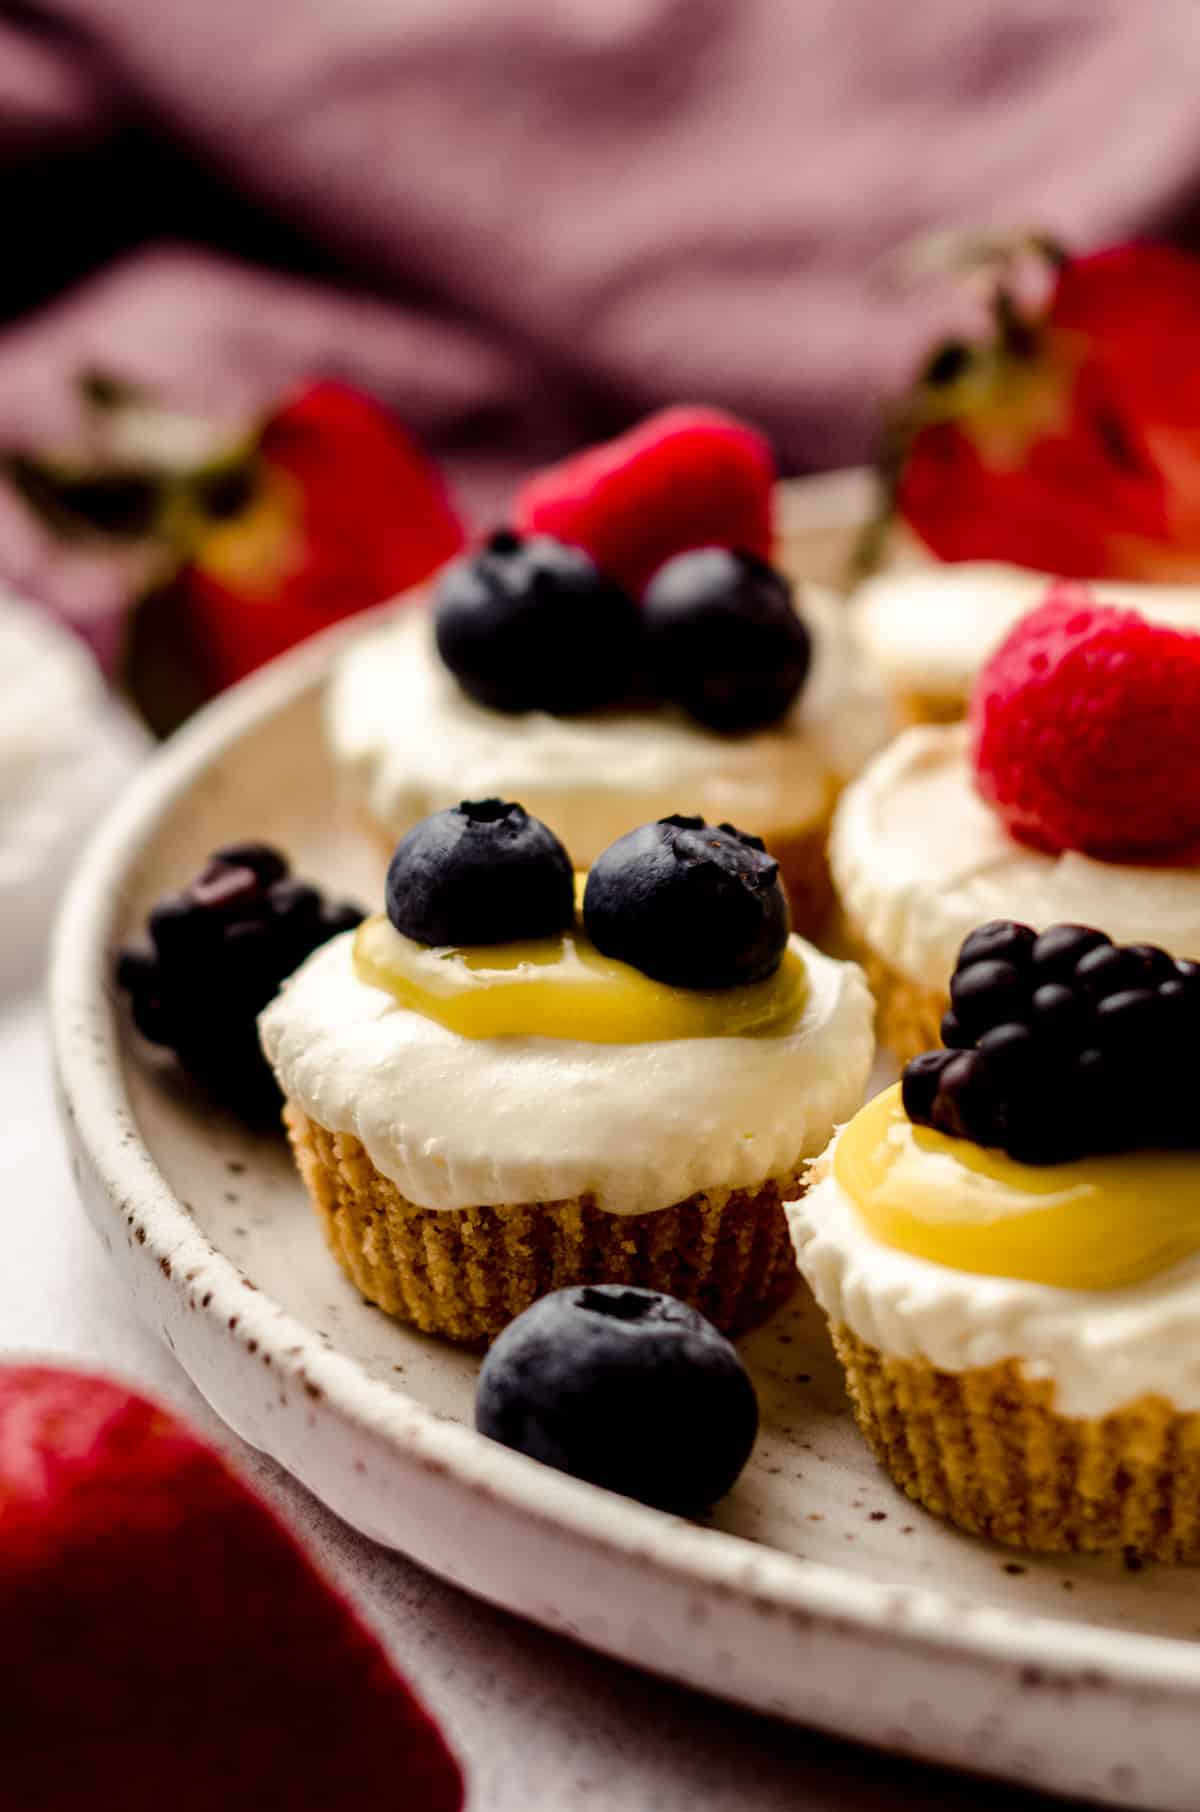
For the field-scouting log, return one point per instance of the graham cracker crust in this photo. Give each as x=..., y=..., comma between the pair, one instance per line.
x=985, y=1449
x=465, y=1273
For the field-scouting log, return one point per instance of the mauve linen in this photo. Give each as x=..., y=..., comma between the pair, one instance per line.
x=525, y=222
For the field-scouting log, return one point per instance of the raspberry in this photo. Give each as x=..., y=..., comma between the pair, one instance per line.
x=686, y=477
x=1063, y=1046
x=1086, y=732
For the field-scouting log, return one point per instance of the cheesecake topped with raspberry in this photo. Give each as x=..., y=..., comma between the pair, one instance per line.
x=1072, y=795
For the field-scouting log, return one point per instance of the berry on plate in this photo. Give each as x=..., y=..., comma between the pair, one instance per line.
x=169, y=1643
x=1062, y=1045
x=1066, y=437
x=531, y=624
x=685, y=477
x=340, y=509
x=1086, y=732
x=724, y=639
x=218, y=951
x=693, y=904
x=624, y=1387
x=483, y=872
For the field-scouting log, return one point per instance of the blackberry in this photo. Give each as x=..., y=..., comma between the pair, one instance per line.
x=215, y=955
x=1062, y=1045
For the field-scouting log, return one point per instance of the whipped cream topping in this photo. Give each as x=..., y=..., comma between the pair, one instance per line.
x=929, y=628
x=919, y=861
x=408, y=741
x=1101, y=1348
x=456, y=1122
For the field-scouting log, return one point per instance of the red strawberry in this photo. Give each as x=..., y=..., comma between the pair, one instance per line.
x=167, y=1643
x=1068, y=439
x=1086, y=732
x=686, y=477
x=346, y=512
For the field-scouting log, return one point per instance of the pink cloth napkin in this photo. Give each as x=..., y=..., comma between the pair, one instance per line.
x=526, y=222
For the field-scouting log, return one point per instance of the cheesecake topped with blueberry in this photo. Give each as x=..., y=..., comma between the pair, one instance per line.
x=601, y=695
x=1007, y=1247
x=516, y=1078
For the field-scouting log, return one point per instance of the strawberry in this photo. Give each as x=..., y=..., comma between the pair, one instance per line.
x=686, y=477
x=340, y=510
x=167, y=1643
x=1068, y=438
x=1085, y=729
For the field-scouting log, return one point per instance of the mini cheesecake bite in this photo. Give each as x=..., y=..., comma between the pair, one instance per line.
x=930, y=627
x=602, y=693
x=1070, y=796
x=507, y=1084
x=1007, y=1247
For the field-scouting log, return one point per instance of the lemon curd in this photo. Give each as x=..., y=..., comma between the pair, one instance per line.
x=1092, y=1224
x=562, y=987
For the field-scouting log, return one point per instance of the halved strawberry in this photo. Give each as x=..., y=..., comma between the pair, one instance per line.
x=167, y=1644
x=686, y=477
x=1068, y=437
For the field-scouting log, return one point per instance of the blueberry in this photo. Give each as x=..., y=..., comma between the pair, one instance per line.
x=1056, y=952
x=534, y=625
x=723, y=638
x=689, y=903
x=483, y=872
x=624, y=1387
x=987, y=993
x=1001, y=938
x=217, y=953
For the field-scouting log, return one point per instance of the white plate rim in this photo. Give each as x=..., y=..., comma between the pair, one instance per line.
x=95, y=1104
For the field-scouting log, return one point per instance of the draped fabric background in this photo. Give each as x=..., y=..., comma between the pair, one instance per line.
x=525, y=222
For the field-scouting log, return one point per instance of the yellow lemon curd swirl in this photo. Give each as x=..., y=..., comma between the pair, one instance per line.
x=562, y=987
x=1092, y=1224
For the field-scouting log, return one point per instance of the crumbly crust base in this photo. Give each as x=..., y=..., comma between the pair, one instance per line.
x=465, y=1273
x=985, y=1449
x=931, y=707
x=908, y=1016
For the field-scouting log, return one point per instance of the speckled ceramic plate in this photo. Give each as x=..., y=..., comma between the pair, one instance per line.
x=816, y=1591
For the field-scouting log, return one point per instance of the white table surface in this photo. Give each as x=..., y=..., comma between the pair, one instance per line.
x=537, y=1722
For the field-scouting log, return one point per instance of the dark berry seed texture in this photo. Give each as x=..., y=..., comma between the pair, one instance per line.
x=217, y=953
x=1062, y=1045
